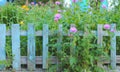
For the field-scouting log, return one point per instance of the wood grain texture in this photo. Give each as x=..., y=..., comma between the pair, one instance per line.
x=113, y=46
x=31, y=47
x=59, y=43
x=100, y=39
x=60, y=34
x=45, y=47
x=100, y=34
x=16, y=46
x=32, y=60
x=2, y=44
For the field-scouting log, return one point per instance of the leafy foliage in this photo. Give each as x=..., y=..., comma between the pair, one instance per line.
x=77, y=53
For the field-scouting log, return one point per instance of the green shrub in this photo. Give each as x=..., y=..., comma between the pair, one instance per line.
x=11, y=14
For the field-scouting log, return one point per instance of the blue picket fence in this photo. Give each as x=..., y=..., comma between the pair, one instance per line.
x=31, y=59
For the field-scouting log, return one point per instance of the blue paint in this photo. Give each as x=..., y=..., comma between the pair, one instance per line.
x=2, y=44
x=3, y=2
x=31, y=47
x=16, y=46
x=59, y=38
x=45, y=47
x=113, y=47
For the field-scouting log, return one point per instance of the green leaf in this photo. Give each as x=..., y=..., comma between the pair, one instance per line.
x=73, y=60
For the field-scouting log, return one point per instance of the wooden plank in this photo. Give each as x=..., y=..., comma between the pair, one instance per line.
x=60, y=37
x=59, y=41
x=100, y=38
x=45, y=47
x=86, y=30
x=39, y=60
x=108, y=61
x=22, y=33
x=31, y=47
x=16, y=46
x=39, y=33
x=53, y=60
x=113, y=46
x=2, y=44
x=99, y=34
x=117, y=33
x=24, y=70
x=72, y=41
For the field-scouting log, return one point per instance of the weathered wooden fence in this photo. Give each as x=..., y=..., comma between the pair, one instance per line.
x=31, y=59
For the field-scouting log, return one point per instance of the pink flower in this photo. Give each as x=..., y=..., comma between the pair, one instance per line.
x=57, y=16
x=73, y=28
x=56, y=19
x=112, y=30
x=102, y=0
x=104, y=6
x=57, y=3
x=74, y=1
x=106, y=26
x=32, y=3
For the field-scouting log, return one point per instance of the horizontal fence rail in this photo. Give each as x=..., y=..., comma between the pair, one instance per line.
x=31, y=59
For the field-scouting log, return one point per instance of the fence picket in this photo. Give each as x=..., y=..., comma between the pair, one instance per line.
x=31, y=47
x=16, y=46
x=99, y=34
x=60, y=37
x=100, y=38
x=45, y=47
x=59, y=41
x=2, y=44
x=113, y=46
x=15, y=33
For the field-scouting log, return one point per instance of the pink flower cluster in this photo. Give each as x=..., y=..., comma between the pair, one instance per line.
x=102, y=0
x=32, y=3
x=57, y=17
x=57, y=3
x=74, y=1
x=73, y=29
x=108, y=27
x=104, y=6
x=39, y=3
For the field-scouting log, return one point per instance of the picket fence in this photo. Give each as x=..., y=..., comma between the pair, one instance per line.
x=31, y=59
